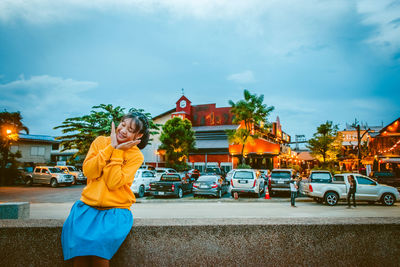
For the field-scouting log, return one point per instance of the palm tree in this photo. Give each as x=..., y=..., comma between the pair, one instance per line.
x=248, y=112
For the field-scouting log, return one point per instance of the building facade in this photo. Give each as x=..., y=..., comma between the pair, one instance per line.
x=34, y=149
x=210, y=123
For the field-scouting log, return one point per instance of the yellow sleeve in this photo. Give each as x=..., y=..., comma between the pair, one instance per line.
x=97, y=157
x=118, y=173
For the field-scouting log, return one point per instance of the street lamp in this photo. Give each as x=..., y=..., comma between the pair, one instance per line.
x=8, y=131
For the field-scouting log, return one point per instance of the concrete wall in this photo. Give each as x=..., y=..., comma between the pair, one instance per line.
x=221, y=242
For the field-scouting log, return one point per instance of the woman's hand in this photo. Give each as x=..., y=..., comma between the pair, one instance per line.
x=114, y=142
x=128, y=145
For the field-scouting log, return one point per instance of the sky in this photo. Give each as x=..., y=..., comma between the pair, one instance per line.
x=312, y=60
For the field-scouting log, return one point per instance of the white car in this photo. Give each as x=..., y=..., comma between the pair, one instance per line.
x=141, y=182
x=247, y=181
x=332, y=190
x=161, y=171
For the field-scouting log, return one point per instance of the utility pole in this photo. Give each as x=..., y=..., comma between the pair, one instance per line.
x=356, y=125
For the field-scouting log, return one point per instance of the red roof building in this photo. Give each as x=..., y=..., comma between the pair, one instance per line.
x=209, y=123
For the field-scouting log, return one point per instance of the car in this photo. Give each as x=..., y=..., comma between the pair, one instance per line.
x=386, y=177
x=78, y=175
x=171, y=184
x=161, y=171
x=214, y=170
x=141, y=182
x=210, y=185
x=229, y=175
x=49, y=175
x=280, y=180
x=247, y=181
x=332, y=190
x=147, y=167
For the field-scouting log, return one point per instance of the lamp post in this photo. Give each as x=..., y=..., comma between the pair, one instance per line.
x=157, y=153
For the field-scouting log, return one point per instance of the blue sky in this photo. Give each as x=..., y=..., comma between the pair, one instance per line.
x=312, y=60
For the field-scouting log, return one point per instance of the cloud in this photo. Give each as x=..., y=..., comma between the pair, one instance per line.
x=45, y=101
x=384, y=16
x=242, y=77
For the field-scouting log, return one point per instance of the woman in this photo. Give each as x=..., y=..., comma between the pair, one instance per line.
x=352, y=191
x=100, y=221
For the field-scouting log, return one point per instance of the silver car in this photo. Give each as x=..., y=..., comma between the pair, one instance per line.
x=210, y=185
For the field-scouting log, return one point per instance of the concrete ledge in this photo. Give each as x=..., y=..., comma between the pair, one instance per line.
x=209, y=242
x=14, y=210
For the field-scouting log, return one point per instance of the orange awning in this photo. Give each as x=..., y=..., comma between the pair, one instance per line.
x=260, y=146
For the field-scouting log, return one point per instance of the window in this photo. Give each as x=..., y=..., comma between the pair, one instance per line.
x=321, y=177
x=243, y=175
x=37, y=151
x=55, y=146
x=37, y=170
x=338, y=178
x=13, y=149
x=364, y=181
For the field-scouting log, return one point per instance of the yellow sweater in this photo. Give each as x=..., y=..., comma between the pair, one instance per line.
x=110, y=174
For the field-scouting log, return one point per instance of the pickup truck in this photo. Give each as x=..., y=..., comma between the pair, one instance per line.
x=48, y=175
x=330, y=191
x=78, y=175
x=171, y=184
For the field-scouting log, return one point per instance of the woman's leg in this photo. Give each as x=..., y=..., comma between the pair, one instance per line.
x=348, y=199
x=83, y=261
x=100, y=262
x=354, y=199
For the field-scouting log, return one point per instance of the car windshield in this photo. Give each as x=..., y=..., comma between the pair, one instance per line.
x=320, y=177
x=213, y=170
x=55, y=170
x=171, y=178
x=243, y=175
x=280, y=175
x=71, y=169
x=207, y=179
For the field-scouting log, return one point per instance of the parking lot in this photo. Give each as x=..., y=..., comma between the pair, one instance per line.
x=55, y=203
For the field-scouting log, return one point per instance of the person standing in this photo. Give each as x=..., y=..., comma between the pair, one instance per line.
x=293, y=191
x=352, y=191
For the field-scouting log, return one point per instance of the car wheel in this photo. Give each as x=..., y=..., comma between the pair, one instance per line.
x=219, y=195
x=53, y=183
x=388, y=199
x=141, y=191
x=194, y=195
x=29, y=182
x=180, y=193
x=331, y=198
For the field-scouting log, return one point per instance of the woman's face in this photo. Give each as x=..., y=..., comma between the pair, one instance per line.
x=126, y=131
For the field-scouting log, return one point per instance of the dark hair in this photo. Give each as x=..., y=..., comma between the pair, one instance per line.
x=141, y=126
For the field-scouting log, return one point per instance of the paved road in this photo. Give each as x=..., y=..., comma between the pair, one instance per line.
x=55, y=203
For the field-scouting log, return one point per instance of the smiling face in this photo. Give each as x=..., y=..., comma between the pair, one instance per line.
x=127, y=130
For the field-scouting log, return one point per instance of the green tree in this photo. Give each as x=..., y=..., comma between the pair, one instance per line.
x=10, y=125
x=80, y=132
x=177, y=139
x=325, y=144
x=252, y=113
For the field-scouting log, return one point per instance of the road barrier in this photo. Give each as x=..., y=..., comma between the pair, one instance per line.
x=221, y=242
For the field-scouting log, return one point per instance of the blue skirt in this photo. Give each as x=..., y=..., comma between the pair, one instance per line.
x=92, y=232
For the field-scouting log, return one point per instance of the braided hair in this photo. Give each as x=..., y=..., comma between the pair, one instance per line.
x=141, y=126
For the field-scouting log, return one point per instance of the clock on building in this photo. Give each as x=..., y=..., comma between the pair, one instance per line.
x=182, y=104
